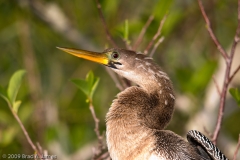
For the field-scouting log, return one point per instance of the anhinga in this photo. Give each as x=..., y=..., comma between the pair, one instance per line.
x=137, y=118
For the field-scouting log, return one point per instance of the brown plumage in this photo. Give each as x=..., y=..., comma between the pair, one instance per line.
x=137, y=117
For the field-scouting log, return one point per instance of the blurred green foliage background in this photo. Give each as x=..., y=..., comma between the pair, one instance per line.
x=54, y=112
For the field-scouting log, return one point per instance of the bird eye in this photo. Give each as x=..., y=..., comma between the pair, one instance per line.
x=115, y=55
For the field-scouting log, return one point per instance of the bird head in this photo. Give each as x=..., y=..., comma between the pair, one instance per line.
x=117, y=59
x=129, y=64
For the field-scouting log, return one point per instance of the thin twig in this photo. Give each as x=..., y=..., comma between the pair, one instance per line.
x=103, y=156
x=24, y=130
x=228, y=60
x=236, y=40
x=234, y=73
x=156, y=35
x=142, y=33
x=222, y=105
x=156, y=46
x=217, y=86
x=109, y=37
x=39, y=147
x=96, y=150
x=209, y=29
x=236, y=151
x=96, y=120
x=226, y=82
x=115, y=79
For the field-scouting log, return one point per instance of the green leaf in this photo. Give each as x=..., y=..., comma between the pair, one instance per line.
x=3, y=94
x=96, y=80
x=235, y=94
x=14, y=85
x=92, y=84
x=88, y=86
x=16, y=105
x=90, y=81
x=82, y=85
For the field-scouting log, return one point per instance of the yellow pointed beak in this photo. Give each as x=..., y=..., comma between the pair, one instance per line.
x=101, y=58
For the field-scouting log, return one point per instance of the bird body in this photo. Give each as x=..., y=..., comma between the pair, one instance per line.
x=136, y=119
x=130, y=137
x=138, y=116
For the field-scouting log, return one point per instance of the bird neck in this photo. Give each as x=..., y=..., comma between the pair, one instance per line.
x=147, y=74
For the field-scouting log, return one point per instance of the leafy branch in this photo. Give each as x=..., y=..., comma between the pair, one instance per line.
x=88, y=87
x=9, y=96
